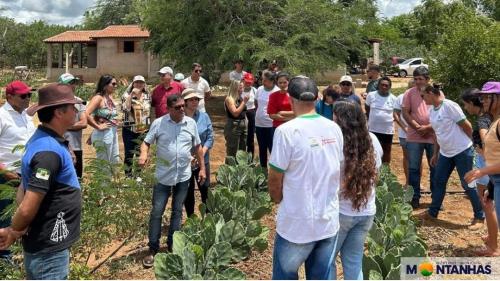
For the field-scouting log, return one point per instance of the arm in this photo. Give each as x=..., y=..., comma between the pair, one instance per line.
x=275, y=183
x=435, y=154
x=235, y=111
x=409, y=119
x=143, y=158
x=22, y=219
x=367, y=110
x=467, y=127
x=209, y=142
x=201, y=160
x=397, y=119
x=282, y=116
x=94, y=104
x=478, y=173
x=81, y=124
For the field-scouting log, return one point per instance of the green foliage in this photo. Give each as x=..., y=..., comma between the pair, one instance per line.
x=114, y=206
x=205, y=247
x=393, y=234
x=22, y=44
x=304, y=37
x=467, y=55
x=111, y=12
x=10, y=271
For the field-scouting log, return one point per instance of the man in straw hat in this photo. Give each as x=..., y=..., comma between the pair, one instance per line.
x=48, y=217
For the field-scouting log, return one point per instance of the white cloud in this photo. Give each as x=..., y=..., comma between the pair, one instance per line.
x=64, y=12
x=391, y=8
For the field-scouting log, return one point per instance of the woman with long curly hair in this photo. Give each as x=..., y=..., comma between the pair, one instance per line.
x=363, y=157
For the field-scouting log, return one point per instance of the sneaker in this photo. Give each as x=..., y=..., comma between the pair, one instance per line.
x=149, y=260
x=476, y=224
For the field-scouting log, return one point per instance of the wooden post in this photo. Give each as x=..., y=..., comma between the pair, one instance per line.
x=80, y=55
x=49, y=61
x=61, y=54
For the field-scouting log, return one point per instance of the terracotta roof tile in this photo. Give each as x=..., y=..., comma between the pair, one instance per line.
x=80, y=36
x=121, y=31
x=87, y=36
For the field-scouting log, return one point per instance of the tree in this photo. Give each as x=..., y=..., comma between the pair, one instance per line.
x=22, y=44
x=111, y=12
x=304, y=37
x=468, y=54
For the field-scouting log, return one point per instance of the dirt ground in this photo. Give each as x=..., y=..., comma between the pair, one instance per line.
x=448, y=236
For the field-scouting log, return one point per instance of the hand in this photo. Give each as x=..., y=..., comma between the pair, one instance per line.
x=10, y=176
x=73, y=156
x=89, y=140
x=424, y=130
x=245, y=99
x=405, y=129
x=434, y=160
x=8, y=236
x=142, y=161
x=473, y=175
x=364, y=95
x=202, y=176
x=104, y=126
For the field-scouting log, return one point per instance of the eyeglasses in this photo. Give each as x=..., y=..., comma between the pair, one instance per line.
x=198, y=71
x=193, y=99
x=23, y=97
x=345, y=84
x=384, y=85
x=178, y=107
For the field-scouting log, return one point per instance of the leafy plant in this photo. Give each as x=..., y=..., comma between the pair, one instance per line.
x=394, y=233
x=228, y=229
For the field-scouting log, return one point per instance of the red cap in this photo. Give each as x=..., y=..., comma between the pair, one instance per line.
x=17, y=88
x=248, y=77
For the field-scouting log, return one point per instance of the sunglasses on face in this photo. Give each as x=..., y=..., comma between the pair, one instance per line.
x=23, y=97
x=178, y=107
x=345, y=84
x=198, y=71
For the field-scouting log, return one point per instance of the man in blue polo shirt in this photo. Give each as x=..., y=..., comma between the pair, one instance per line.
x=48, y=217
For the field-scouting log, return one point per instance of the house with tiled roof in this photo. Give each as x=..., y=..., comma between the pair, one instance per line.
x=117, y=50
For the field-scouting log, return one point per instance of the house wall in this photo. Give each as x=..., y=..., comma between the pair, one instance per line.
x=112, y=60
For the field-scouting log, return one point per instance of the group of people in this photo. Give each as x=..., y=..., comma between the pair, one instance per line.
x=323, y=153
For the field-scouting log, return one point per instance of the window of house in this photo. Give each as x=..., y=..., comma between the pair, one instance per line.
x=128, y=46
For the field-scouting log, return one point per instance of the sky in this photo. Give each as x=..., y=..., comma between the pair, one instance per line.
x=70, y=12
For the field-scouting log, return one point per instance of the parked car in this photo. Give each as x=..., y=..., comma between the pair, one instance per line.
x=408, y=66
x=389, y=65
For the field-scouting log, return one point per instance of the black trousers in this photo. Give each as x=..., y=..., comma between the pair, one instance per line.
x=189, y=203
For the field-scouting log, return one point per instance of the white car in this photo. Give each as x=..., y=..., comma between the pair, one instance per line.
x=408, y=66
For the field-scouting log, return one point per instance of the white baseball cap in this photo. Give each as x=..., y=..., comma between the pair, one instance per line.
x=165, y=70
x=345, y=78
x=139, y=78
x=179, y=76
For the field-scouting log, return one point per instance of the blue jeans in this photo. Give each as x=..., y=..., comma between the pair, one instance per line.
x=161, y=193
x=265, y=140
x=351, y=244
x=318, y=257
x=415, y=153
x=47, y=266
x=495, y=180
x=445, y=165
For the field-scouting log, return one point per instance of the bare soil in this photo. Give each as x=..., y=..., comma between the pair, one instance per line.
x=448, y=236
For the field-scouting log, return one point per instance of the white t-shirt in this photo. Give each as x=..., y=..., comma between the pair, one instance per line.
x=398, y=106
x=309, y=151
x=251, y=97
x=233, y=75
x=444, y=120
x=381, y=119
x=15, y=129
x=262, y=119
x=370, y=209
x=201, y=86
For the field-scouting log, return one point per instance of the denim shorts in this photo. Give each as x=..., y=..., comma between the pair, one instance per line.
x=480, y=163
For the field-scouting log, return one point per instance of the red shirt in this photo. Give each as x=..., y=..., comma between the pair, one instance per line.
x=160, y=95
x=278, y=102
